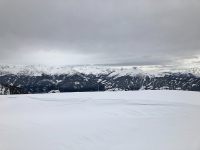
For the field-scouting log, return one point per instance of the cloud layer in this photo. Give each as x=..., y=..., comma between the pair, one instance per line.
x=114, y=32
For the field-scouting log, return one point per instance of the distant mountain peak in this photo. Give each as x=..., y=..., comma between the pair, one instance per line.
x=38, y=70
x=195, y=71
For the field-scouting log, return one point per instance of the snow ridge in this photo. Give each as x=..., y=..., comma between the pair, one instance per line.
x=38, y=70
x=35, y=70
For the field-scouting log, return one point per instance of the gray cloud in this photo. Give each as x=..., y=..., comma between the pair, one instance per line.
x=100, y=32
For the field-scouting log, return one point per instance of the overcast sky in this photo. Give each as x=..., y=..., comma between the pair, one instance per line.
x=100, y=32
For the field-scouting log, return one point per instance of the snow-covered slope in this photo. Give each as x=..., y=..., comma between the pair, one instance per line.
x=140, y=120
x=134, y=72
x=94, y=70
x=38, y=70
x=35, y=70
x=195, y=71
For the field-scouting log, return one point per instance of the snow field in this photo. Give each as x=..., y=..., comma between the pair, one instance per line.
x=139, y=120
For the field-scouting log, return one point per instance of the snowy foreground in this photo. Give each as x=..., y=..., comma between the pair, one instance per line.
x=137, y=120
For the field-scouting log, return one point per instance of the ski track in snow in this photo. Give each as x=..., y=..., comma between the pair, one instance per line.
x=139, y=120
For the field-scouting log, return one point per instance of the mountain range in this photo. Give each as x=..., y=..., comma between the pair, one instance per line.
x=45, y=79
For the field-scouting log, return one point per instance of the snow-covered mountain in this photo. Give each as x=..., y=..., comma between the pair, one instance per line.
x=94, y=70
x=195, y=71
x=134, y=72
x=43, y=79
x=35, y=70
x=38, y=70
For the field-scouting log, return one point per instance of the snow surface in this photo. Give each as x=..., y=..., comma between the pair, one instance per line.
x=136, y=120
